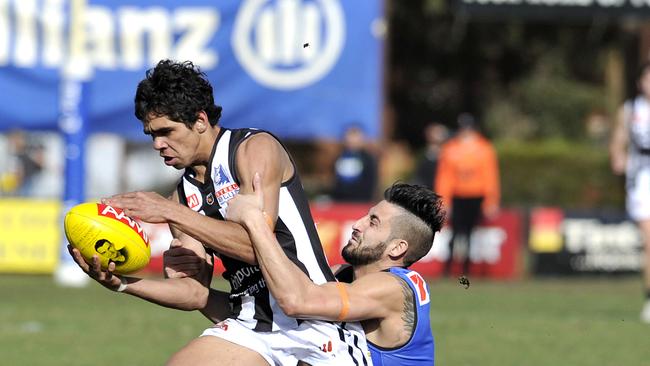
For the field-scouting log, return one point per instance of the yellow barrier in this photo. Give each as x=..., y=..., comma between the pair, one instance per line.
x=30, y=235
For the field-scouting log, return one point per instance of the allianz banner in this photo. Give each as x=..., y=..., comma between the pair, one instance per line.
x=302, y=69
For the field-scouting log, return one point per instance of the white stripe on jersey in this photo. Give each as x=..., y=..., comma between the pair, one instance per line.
x=247, y=313
x=290, y=215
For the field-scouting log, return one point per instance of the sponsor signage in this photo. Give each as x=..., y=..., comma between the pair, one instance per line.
x=30, y=233
x=495, y=250
x=573, y=243
x=299, y=68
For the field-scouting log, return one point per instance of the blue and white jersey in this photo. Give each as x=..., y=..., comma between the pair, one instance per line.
x=419, y=349
x=250, y=299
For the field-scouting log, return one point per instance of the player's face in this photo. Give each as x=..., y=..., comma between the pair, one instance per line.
x=370, y=235
x=176, y=143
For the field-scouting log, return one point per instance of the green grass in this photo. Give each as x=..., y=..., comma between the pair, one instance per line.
x=576, y=322
x=541, y=322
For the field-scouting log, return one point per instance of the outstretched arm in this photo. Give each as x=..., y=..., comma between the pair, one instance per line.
x=373, y=296
x=182, y=293
x=188, y=293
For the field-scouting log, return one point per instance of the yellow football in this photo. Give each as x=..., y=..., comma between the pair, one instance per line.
x=95, y=228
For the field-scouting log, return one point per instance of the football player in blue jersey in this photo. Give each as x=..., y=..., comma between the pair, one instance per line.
x=391, y=300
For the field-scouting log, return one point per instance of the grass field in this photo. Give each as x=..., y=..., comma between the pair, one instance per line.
x=576, y=322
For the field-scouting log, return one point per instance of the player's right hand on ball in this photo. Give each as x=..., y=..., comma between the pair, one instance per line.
x=180, y=262
x=94, y=270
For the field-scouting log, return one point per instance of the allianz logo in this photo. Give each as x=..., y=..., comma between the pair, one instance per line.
x=55, y=33
x=288, y=44
x=282, y=44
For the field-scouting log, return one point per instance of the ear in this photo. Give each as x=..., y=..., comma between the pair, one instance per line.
x=202, y=122
x=398, y=248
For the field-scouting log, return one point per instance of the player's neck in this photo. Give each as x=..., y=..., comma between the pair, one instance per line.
x=362, y=270
x=204, y=152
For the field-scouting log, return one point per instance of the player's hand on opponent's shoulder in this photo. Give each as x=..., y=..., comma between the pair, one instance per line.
x=94, y=270
x=245, y=206
x=146, y=206
x=181, y=262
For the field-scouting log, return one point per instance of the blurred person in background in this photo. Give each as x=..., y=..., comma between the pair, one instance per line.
x=435, y=135
x=630, y=155
x=468, y=181
x=176, y=106
x=26, y=162
x=355, y=169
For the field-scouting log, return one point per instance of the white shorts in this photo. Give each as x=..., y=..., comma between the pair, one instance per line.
x=315, y=342
x=638, y=195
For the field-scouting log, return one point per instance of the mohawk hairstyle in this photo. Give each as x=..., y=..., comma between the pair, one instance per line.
x=425, y=217
x=178, y=90
x=418, y=200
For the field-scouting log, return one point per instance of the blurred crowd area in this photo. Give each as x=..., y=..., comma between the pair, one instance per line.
x=569, y=173
x=33, y=166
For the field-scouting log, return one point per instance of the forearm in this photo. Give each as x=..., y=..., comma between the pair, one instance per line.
x=287, y=283
x=177, y=293
x=224, y=237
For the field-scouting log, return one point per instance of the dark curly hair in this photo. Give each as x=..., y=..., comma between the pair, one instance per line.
x=178, y=90
x=424, y=217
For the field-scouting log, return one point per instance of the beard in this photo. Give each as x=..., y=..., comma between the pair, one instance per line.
x=361, y=256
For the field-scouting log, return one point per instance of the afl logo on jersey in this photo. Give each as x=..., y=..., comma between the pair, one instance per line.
x=224, y=186
x=288, y=44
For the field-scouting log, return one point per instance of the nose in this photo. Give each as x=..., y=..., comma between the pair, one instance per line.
x=159, y=143
x=360, y=224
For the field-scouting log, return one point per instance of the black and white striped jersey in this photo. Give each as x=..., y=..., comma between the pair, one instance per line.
x=250, y=299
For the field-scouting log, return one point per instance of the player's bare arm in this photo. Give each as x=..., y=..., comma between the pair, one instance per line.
x=224, y=237
x=263, y=154
x=375, y=295
x=182, y=294
x=187, y=260
x=618, y=143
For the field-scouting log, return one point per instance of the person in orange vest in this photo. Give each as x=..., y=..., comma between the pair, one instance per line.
x=468, y=181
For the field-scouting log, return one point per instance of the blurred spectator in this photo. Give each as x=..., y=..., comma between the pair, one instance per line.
x=355, y=169
x=468, y=181
x=26, y=161
x=630, y=155
x=435, y=135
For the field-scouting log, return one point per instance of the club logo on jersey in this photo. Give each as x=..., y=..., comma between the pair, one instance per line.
x=420, y=287
x=209, y=199
x=192, y=201
x=224, y=186
x=119, y=215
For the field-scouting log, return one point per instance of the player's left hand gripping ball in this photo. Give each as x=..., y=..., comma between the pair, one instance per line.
x=95, y=228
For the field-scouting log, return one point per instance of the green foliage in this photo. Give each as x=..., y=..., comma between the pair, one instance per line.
x=546, y=104
x=558, y=173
